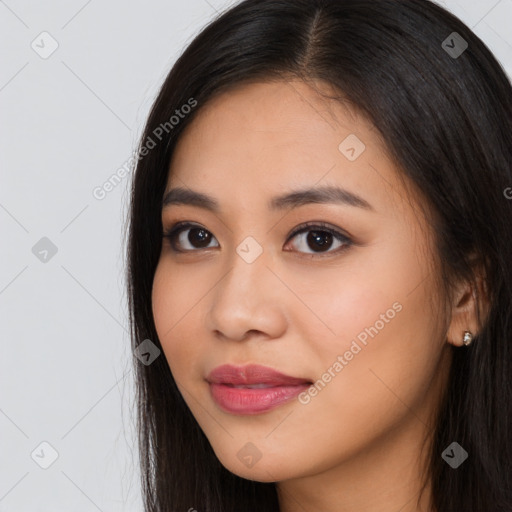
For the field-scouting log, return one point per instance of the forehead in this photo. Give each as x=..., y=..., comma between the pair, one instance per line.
x=262, y=138
x=290, y=116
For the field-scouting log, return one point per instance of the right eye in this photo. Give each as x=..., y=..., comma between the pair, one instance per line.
x=188, y=237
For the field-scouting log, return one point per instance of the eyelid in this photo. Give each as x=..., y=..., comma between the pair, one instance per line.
x=324, y=226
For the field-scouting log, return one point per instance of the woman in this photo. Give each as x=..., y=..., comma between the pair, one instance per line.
x=319, y=244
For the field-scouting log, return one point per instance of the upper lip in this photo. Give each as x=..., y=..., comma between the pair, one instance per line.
x=252, y=374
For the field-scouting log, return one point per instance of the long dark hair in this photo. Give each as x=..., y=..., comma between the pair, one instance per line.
x=446, y=119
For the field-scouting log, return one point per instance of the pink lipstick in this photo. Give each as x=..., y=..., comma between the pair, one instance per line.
x=252, y=389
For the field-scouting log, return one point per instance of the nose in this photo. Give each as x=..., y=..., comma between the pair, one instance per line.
x=248, y=300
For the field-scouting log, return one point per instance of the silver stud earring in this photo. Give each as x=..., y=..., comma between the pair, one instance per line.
x=468, y=338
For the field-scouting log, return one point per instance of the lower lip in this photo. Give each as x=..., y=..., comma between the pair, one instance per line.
x=253, y=401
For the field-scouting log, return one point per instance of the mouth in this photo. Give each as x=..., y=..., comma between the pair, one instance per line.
x=252, y=389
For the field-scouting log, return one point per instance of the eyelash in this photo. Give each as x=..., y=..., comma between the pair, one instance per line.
x=177, y=228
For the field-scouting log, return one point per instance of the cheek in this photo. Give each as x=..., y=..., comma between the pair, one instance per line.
x=371, y=289
x=377, y=386
x=174, y=302
x=377, y=317
x=176, y=295
x=163, y=300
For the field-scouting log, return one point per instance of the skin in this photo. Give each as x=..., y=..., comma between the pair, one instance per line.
x=357, y=444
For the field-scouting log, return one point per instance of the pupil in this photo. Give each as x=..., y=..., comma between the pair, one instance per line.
x=202, y=238
x=321, y=238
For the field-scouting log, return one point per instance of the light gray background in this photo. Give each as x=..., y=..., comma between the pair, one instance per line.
x=67, y=123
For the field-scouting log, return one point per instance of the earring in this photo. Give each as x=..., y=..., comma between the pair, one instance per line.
x=468, y=338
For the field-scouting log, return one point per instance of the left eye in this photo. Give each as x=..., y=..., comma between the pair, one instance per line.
x=320, y=239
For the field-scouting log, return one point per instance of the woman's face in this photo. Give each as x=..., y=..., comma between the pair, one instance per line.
x=351, y=313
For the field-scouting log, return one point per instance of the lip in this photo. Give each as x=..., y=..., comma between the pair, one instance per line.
x=274, y=388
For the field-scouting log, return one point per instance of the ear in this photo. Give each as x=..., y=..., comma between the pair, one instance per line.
x=468, y=299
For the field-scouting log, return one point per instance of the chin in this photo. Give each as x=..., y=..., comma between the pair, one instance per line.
x=265, y=471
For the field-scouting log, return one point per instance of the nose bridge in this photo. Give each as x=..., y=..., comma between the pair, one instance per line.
x=247, y=278
x=245, y=298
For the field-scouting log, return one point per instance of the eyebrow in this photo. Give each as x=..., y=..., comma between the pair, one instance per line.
x=293, y=199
